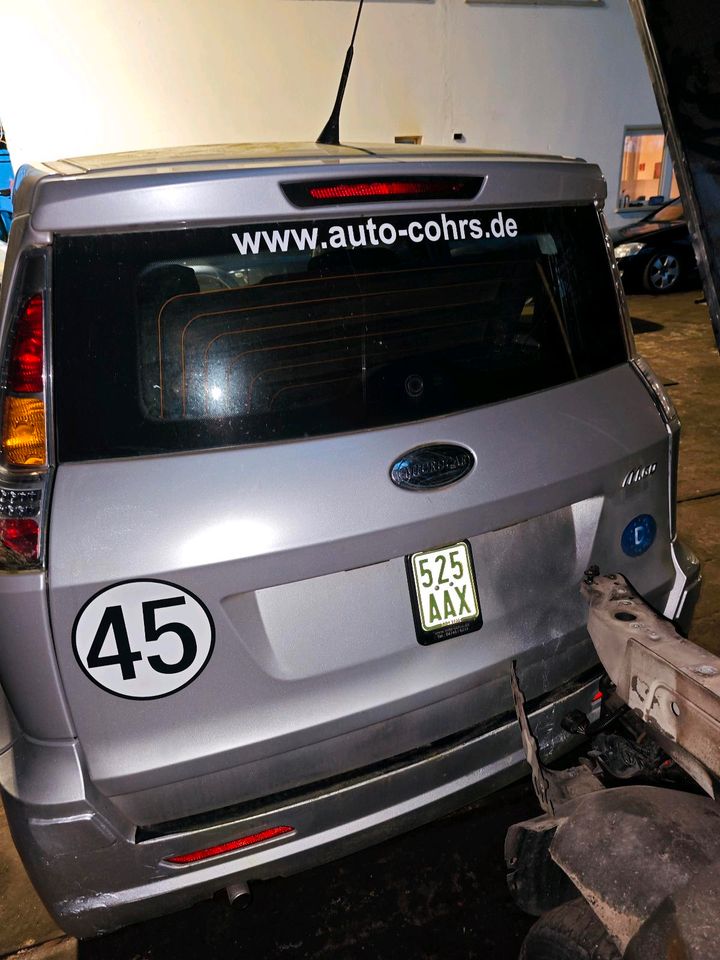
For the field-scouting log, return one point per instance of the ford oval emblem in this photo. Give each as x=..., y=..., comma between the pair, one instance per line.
x=436, y=465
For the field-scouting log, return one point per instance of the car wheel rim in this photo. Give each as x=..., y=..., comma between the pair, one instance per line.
x=664, y=271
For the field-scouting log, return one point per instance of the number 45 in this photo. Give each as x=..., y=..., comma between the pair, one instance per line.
x=114, y=620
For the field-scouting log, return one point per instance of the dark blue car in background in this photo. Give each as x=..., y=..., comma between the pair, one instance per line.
x=656, y=253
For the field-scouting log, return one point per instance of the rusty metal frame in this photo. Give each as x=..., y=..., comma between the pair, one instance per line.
x=669, y=682
x=633, y=852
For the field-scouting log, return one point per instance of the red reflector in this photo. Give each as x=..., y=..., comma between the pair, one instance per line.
x=303, y=194
x=25, y=374
x=231, y=845
x=384, y=188
x=598, y=696
x=20, y=536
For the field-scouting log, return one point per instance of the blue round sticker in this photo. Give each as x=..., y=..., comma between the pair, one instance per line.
x=639, y=535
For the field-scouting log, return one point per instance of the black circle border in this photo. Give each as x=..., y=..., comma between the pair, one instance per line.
x=121, y=583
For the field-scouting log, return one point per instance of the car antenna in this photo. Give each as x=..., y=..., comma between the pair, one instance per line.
x=331, y=131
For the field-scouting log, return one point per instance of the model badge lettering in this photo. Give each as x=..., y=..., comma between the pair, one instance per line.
x=433, y=466
x=638, y=473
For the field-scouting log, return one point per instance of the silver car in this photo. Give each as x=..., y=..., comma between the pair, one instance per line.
x=301, y=447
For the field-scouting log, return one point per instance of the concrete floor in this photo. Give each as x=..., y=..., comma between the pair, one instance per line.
x=438, y=892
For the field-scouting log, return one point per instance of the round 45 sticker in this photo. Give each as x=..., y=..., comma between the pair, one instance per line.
x=143, y=639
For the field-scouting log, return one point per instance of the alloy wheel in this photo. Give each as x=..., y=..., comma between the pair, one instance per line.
x=663, y=272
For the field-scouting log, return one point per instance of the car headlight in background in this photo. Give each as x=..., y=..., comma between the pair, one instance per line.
x=628, y=250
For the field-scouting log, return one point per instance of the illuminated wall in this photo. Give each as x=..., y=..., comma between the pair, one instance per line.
x=88, y=77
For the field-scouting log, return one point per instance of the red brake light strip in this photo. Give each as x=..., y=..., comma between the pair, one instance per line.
x=304, y=194
x=384, y=188
x=238, y=844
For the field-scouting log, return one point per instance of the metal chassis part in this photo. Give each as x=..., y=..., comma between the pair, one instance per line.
x=637, y=854
x=669, y=682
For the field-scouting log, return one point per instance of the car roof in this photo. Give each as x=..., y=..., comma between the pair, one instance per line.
x=275, y=154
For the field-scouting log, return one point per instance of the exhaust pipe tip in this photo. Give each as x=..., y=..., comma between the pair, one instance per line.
x=239, y=894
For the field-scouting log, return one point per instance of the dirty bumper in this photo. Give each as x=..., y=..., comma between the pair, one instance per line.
x=136, y=881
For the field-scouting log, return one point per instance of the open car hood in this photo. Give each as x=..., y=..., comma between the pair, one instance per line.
x=681, y=40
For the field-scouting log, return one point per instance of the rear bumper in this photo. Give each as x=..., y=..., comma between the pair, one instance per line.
x=684, y=595
x=95, y=874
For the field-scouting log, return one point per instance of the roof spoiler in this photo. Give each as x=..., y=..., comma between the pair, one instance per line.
x=680, y=42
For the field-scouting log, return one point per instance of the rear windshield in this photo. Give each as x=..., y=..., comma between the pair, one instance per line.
x=671, y=211
x=220, y=336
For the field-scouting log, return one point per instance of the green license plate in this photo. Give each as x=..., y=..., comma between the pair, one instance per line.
x=443, y=592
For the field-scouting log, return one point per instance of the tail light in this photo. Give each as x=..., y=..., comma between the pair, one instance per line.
x=26, y=357
x=24, y=462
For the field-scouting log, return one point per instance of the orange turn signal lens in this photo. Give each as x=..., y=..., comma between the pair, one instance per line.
x=23, y=436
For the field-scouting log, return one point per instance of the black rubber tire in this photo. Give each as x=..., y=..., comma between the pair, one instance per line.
x=663, y=273
x=569, y=932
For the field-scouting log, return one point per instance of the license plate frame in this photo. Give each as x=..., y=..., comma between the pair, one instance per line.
x=425, y=633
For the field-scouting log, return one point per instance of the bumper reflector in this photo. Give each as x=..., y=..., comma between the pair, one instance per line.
x=238, y=844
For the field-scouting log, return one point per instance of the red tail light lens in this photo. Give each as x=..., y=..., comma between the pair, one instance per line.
x=25, y=374
x=598, y=696
x=21, y=537
x=231, y=845
x=304, y=194
x=23, y=421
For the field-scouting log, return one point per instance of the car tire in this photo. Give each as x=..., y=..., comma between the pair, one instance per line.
x=569, y=932
x=662, y=272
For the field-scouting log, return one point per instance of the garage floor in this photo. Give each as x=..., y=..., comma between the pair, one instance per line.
x=438, y=892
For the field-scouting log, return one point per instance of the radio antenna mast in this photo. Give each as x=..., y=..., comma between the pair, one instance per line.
x=331, y=131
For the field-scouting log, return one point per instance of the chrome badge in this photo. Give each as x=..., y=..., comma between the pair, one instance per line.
x=436, y=465
x=639, y=473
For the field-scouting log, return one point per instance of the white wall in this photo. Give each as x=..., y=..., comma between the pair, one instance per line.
x=89, y=76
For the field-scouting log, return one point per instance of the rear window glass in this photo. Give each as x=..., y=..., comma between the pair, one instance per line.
x=670, y=212
x=220, y=336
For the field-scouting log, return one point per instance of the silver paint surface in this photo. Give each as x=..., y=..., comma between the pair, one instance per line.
x=297, y=549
